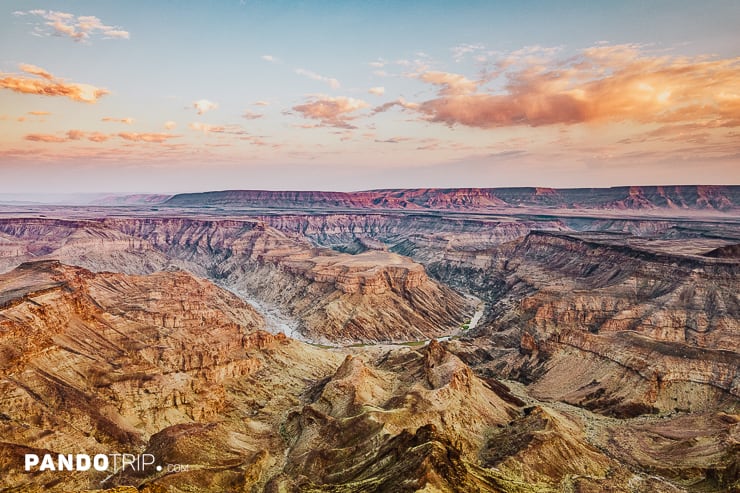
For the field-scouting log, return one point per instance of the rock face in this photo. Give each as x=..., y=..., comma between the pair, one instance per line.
x=618, y=330
x=722, y=198
x=373, y=296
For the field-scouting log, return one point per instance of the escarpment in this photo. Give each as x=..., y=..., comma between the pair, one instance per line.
x=700, y=197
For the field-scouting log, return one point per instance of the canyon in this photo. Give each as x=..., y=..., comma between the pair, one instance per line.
x=504, y=340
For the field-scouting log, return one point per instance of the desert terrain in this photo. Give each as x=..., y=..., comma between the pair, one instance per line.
x=461, y=340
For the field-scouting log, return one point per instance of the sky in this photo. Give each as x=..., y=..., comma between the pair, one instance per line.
x=184, y=96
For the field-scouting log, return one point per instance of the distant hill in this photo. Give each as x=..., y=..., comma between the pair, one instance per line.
x=676, y=197
x=136, y=199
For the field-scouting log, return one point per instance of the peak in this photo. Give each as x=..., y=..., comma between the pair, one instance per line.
x=435, y=354
x=349, y=366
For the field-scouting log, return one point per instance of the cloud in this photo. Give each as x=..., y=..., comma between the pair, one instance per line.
x=147, y=137
x=204, y=105
x=451, y=83
x=217, y=129
x=34, y=70
x=97, y=137
x=70, y=135
x=378, y=91
x=459, y=52
x=335, y=112
x=400, y=102
x=81, y=28
x=169, y=125
x=39, y=113
x=206, y=128
x=48, y=85
x=394, y=140
x=45, y=138
x=333, y=83
x=261, y=103
x=249, y=115
x=127, y=121
x=602, y=84
x=270, y=58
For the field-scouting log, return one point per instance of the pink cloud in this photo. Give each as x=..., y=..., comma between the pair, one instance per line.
x=335, y=112
x=147, y=137
x=452, y=84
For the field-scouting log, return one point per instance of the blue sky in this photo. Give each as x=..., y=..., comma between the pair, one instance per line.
x=356, y=95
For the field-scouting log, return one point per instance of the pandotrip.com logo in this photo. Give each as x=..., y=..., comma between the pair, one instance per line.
x=111, y=463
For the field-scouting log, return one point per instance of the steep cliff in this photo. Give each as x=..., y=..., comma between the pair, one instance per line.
x=110, y=363
x=618, y=330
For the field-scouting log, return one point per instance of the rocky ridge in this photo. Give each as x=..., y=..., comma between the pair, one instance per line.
x=696, y=197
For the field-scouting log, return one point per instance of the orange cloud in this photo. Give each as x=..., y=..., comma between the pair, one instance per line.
x=97, y=137
x=39, y=113
x=147, y=137
x=330, y=111
x=75, y=134
x=127, y=121
x=70, y=135
x=48, y=85
x=378, y=91
x=45, y=138
x=34, y=70
x=169, y=125
x=606, y=83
